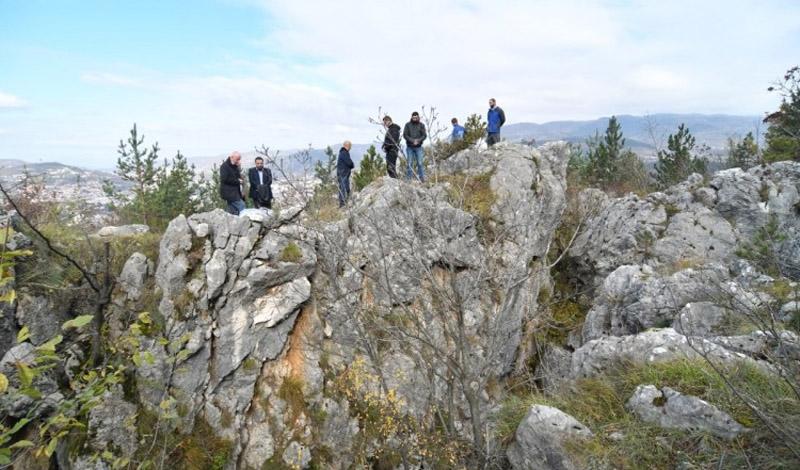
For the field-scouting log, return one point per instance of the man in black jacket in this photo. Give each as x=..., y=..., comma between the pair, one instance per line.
x=344, y=165
x=415, y=134
x=260, y=179
x=391, y=145
x=230, y=183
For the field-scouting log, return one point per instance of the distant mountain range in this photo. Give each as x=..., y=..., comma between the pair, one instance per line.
x=642, y=134
x=640, y=131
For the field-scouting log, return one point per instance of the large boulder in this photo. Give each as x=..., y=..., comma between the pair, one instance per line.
x=539, y=440
x=671, y=409
x=651, y=346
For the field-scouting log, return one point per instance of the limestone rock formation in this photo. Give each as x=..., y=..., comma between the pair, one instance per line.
x=671, y=409
x=539, y=440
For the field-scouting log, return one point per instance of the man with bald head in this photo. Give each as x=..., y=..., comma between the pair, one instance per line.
x=230, y=183
x=344, y=165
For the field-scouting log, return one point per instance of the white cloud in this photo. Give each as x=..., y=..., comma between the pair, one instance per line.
x=10, y=101
x=325, y=67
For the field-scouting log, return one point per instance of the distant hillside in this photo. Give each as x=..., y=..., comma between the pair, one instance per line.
x=710, y=129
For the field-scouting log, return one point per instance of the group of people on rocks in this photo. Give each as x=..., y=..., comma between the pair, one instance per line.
x=414, y=133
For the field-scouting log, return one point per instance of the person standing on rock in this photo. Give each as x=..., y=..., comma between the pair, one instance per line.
x=391, y=145
x=230, y=183
x=344, y=165
x=414, y=133
x=458, y=131
x=495, y=119
x=260, y=179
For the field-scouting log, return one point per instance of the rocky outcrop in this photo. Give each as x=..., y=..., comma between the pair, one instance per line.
x=539, y=440
x=657, y=345
x=257, y=310
x=671, y=409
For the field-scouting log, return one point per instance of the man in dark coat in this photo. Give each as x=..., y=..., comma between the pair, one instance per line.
x=230, y=183
x=495, y=119
x=344, y=165
x=414, y=133
x=391, y=145
x=260, y=179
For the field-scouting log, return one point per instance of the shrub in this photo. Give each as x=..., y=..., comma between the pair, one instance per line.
x=291, y=253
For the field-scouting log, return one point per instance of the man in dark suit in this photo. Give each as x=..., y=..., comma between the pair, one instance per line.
x=260, y=179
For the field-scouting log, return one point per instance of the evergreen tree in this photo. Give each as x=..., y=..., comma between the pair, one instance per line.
x=138, y=165
x=743, y=153
x=474, y=129
x=177, y=191
x=371, y=167
x=208, y=192
x=604, y=156
x=679, y=160
x=325, y=172
x=783, y=136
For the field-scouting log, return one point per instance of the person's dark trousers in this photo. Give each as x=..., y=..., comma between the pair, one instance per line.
x=236, y=207
x=344, y=189
x=492, y=138
x=391, y=163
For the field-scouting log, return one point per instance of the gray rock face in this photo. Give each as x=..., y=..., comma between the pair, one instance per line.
x=701, y=319
x=131, y=280
x=230, y=303
x=634, y=298
x=296, y=455
x=42, y=315
x=112, y=425
x=691, y=222
x=671, y=409
x=407, y=251
x=651, y=346
x=753, y=198
x=538, y=442
x=622, y=232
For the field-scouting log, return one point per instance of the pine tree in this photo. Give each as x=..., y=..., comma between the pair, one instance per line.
x=177, y=191
x=743, y=153
x=474, y=129
x=608, y=164
x=783, y=136
x=325, y=172
x=679, y=160
x=138, y=165
x=371, y=167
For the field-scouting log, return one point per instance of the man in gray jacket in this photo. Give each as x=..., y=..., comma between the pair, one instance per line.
x=414, y=133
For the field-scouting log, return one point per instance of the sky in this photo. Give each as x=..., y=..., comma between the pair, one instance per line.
x=210, y=76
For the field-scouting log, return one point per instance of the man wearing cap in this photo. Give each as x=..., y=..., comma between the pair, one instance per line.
x=414, y=133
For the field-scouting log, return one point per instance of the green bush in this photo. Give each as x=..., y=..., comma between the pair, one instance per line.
x=291, y=253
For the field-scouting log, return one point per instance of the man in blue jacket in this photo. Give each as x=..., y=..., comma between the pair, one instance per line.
x=495, y=119
x=344, y=165
x=458, y=131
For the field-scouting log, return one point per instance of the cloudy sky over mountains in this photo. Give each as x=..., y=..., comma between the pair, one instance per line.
x=209, y=76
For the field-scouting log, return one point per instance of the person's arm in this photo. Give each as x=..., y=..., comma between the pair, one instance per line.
x=407, y=133
x=350, y=161
x=424, y=134
x=268, y=178
x=502, y=116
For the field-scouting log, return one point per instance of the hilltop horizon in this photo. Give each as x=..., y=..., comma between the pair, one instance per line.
x=711, y=129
